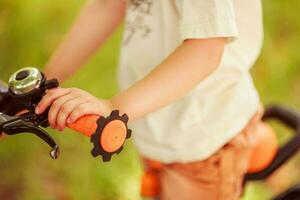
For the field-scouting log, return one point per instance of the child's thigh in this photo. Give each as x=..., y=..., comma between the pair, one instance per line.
x=218, y=178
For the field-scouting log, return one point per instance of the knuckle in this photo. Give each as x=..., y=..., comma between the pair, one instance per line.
x=81, y=109
x=65, y=110
x=51, y=92
x=74, y=115
x=82, y=91
x=86, y=99
x=91, y=97
x=55, y=104
x=73, y=89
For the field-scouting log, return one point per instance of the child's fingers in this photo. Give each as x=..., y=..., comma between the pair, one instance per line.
x=83, y=109
x=57, y=105
x=66, y=110
x=49, y=98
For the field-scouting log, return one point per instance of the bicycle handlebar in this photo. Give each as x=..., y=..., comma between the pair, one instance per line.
x=27, y=87
x=292, y=120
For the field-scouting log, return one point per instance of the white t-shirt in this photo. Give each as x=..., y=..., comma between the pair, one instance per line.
x=196, y=126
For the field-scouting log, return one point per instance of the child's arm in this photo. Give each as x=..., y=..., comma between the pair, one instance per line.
x=97, y=20
x=187, y=66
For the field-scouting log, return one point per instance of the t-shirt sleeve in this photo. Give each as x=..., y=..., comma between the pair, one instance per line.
x=207, y=19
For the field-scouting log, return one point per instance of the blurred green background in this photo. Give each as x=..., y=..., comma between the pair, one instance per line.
x=29, y=32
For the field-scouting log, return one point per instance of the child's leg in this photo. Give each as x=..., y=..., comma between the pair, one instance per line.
x=218, y=178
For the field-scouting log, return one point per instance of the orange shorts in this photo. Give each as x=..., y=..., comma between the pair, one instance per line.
x=219, y=177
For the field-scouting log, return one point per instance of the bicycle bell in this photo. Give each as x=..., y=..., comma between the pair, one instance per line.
x=25, y=81
x=26, y=88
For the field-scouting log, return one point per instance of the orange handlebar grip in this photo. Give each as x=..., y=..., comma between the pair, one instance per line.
x=108, y=134
x=86, y=125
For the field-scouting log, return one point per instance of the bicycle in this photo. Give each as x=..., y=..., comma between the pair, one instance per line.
x=27, y=86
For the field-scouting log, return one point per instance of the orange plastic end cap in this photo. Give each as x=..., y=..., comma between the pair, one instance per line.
x=113, y=136
x=265, y=149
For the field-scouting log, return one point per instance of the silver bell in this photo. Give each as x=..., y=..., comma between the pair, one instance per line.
x=25, y=80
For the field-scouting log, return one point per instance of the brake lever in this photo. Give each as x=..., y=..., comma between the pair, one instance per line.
x=28, y=122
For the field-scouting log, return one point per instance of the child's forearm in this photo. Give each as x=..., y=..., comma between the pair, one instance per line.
x=190, y=63
x=96, y=22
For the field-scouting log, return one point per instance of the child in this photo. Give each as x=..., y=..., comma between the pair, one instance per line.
x=186, y=86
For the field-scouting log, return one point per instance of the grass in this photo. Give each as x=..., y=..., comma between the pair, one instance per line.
x=29, y=32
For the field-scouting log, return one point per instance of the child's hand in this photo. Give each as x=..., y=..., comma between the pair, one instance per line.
x=69, y=104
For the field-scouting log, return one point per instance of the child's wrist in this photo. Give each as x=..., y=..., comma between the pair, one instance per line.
x=115, y=106
x=109, y=107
